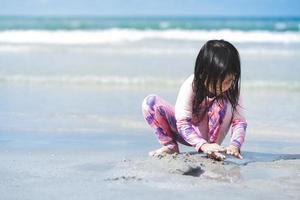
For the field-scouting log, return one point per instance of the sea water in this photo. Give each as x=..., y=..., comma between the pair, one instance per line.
x=78, y=82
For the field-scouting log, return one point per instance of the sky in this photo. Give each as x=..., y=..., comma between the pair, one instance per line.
x=229, y=8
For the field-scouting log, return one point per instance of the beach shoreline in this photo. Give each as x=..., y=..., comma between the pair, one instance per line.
x=98, y=175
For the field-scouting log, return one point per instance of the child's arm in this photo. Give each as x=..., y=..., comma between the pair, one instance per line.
x=183, y=115
x=238, y=126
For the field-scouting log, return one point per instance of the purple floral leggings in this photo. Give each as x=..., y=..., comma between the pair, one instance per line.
x=160, y=115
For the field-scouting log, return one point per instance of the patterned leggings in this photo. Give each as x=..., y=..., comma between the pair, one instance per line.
x=160, y=115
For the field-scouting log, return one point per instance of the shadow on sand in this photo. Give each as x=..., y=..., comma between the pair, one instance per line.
x=251, y=157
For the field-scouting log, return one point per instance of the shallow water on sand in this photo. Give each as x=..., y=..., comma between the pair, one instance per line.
x=94, y=139
x=72, y=127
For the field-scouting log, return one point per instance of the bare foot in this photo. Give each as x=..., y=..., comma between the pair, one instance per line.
x=164, y=150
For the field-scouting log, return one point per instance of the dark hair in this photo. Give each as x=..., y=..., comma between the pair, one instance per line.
x=216, y=60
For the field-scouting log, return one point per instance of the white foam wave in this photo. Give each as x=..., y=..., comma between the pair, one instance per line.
x=256, y=84
x=87, y=79
x=269, y=52
x=129, y=50
x=111, y=36
x=256, y=51
x=15, y=48
x=131, y=81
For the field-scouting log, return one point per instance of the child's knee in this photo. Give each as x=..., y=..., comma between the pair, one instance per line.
x=149, y=102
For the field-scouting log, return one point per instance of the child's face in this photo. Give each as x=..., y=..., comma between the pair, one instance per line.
x=226, y=84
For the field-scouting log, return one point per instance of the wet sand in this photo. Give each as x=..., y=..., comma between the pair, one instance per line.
x=82, y=174
x=72, y=127
x=62, y=153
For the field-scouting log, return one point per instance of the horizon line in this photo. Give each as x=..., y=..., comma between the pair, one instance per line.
x=153, y=16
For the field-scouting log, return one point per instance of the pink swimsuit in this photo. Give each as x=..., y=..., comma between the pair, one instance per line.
x=180, y=125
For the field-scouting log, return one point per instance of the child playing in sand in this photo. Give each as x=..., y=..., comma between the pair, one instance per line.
x=208, y=104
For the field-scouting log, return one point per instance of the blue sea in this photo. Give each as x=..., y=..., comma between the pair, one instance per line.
x=78, y=82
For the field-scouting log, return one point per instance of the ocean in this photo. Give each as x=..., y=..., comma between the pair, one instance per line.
x=62, y=76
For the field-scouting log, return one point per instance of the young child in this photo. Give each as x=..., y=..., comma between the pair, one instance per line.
x=208, y=104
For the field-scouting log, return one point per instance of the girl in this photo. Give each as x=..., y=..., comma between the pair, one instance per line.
x=208, y=104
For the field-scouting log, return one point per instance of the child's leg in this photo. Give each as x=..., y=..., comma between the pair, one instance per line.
x=159, y=114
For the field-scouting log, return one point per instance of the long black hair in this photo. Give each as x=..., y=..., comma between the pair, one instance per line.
x=216, y=60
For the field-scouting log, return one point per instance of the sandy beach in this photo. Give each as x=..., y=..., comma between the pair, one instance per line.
x=87, y=157
x=104, y=175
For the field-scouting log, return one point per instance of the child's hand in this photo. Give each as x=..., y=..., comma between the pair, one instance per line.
x=213, y=151
x=233, y=150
